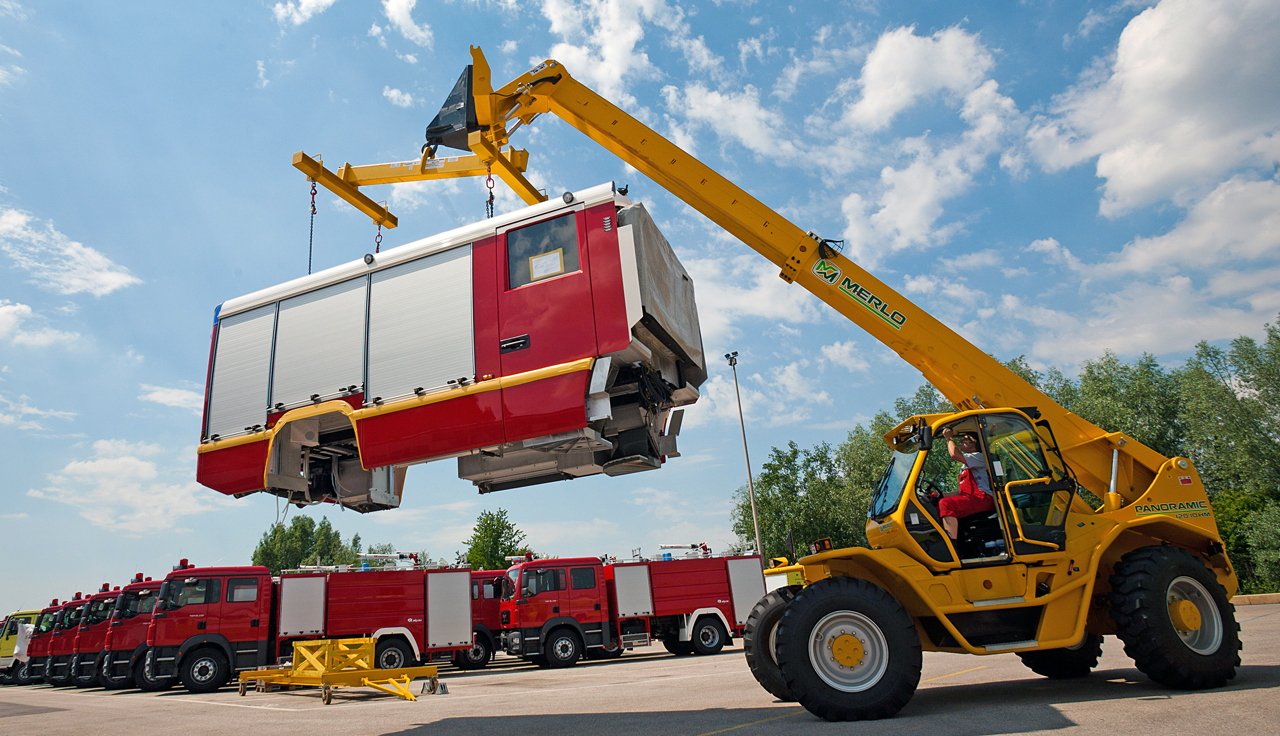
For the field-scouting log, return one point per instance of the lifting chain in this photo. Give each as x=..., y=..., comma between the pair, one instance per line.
x=311, y=239
x=488, y=182
x=377, y=240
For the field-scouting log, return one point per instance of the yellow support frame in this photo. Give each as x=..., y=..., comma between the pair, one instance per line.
x=334, y=663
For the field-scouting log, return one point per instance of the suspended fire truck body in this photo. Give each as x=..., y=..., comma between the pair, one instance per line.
x=545, y=344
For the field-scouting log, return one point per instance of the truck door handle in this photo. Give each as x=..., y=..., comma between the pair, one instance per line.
x=512, y=344
x=201, y=625
x=597, y=606
x=555, y=609
x=254, y=622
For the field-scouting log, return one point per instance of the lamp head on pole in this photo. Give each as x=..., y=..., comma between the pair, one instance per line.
x=732, y=358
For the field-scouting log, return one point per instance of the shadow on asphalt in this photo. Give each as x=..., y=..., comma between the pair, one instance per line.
x=977, y=709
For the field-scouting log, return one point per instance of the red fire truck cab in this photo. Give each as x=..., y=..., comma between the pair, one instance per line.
x=211, y=622
x=486, y=619
x=556, y=611
x=62, y=642
x=38, y=645
x=125, y=645
x=90, y=636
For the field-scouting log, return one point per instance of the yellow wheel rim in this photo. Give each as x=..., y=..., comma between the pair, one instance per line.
x=1185, y=615
x=847, y=650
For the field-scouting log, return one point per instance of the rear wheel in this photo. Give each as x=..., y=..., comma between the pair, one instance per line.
x=392, y=654
x=1068, y=662
x=563, y=648
x=709, y=636
x=146, y=682
x=205, y=670
x=1174, y=618
x=848, y=651
x=759, y=641
x=476, y=657
x=677, y=647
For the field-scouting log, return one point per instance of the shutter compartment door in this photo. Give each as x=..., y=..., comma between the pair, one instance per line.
x=448, y=609
x=320, y=344
x=241, y=371
x=746, y=581
x=421, y=332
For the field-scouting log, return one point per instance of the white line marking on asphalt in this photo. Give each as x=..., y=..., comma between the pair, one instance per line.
x=961, y=672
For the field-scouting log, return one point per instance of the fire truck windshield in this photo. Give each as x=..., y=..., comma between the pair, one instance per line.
x=509, y=583
x=99, y=611
x=44, y=623
x=71, y=619
x=134, y=602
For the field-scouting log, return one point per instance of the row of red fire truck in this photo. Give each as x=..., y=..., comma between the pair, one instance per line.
x=199, y=626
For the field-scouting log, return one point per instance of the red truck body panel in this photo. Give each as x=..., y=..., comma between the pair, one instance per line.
x=39, y=643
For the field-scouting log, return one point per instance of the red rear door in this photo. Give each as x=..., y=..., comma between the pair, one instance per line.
x=244, y=619
x=545, y=318
x=586, y=594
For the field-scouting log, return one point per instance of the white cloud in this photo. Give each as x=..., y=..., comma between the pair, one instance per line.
x=407, y=58
x=117, y=489
x=969, y=261
x=56, y=262
x=1181, y=103
x=14, y=516
x=375, y=31
x=508, y=47
x=398, y=98
x=1055, y=253
x=12, y=8
x=846, y=355
x=548, y=535
x=299, y=12
x=262, y=75
x=400, y=13
x=736, y=116
x=821, y=59
x=180, y=398
x=743, y=287
x=20, y=415
x=12, y=317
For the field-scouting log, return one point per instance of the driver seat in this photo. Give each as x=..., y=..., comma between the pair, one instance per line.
x=980, y=535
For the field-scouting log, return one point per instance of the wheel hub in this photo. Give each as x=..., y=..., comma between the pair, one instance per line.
x=847, y=650
x=1184, y=615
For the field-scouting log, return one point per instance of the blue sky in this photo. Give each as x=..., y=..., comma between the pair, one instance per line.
x=1051, y=179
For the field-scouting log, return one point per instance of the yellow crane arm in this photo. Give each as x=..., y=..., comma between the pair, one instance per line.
x=965, y=375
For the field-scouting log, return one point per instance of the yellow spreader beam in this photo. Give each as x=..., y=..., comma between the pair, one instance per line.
x=334, y=663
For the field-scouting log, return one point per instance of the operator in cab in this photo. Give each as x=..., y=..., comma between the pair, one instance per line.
x=975, y=496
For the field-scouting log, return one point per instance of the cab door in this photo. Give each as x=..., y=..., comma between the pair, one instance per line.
x=1032, y=484
x=192, y=602
x=545, y=318
x=543, y=592
x=243, y=619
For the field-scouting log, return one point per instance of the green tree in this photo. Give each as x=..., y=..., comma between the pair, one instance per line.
x=1262, y=532
x=492, y=540
x=304, y=542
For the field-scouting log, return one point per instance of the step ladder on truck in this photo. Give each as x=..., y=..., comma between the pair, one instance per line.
x=1047, y=574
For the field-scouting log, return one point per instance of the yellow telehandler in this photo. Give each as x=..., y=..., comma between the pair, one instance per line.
x=1042, y=572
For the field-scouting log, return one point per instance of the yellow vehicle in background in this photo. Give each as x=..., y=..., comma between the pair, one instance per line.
x=1046, y=574
x=10, y=667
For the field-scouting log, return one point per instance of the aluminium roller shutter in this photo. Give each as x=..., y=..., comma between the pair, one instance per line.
x=241, y=369
x=320, y=343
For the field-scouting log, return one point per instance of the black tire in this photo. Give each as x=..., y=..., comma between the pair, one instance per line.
x=869, y=670
x=22, y=673
x=709, y=636
x=392, y=654
x=759, y=639
x=1068, y=662
x=562, y=648
x=145, y=682
x=539, y=660
x=602, y=653
x=475, y=658
x=1144, y=589
x=79, y=678
x=205, y=670
x=106, y=680
x=677, y=647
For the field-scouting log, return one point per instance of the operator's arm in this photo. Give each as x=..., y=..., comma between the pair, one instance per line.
x=951, y=446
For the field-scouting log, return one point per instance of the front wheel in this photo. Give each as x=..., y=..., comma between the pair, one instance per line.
x=205, y=670
x=1068, y=662
x=476, y=657
x=1174, y=618
x=145, y=680
x=709, y=636
x=22, y=673
x=848, y=651
x=760, y=640
x=562, y=648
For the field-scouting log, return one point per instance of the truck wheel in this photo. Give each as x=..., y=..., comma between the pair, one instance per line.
x=562, y=648
x=80, y=679
x=113, y=683
x=22, y=673
x=1068, y=662
x=474, y=658
x=1174, y=618
x=145, y=682
x=204, y=670
x=848, y=651
x=392, y=654
x=759, y=641
x=677, y=647
x=708, y=636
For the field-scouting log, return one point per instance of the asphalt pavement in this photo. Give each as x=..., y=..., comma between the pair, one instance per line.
x=652, y=693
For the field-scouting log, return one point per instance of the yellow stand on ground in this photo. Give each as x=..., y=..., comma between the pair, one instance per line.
x=334, y=663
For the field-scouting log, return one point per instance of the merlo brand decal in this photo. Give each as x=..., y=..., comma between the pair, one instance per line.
x=830, y=273
x=1181, y=510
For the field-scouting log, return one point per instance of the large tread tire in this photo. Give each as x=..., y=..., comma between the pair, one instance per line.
x=22, y=673
x=759, y=638
x=205, y=670
x=709, y=636
x=841, y=614
x=562, y=648
x=679, y=648
x=392, y=653
x=1068, y=662
x=6, y=676
x=1141, y=588
x=146, y=683
x=475, y=658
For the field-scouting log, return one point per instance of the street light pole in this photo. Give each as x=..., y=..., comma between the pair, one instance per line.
x=751, y=487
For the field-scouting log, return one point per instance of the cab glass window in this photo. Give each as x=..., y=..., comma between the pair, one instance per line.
x=889, y=490
x=542, y=581
x=45, y=623
x=99, y=610
x=242, y=590
x=542, y=251
x=1036, y=489
x=475, y=590
x=192, y=591
x=492, y=589
x=583, y=578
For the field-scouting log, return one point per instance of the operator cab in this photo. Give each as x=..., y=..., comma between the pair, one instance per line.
x=1031, y=484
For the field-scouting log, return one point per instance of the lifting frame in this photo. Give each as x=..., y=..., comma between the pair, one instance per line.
x=333, y=663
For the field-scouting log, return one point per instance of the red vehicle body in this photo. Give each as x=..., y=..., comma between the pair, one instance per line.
x=486, y=619
x=38, y=645
x=538, y=336
x=211, y=622
x=556, y=611
x=91, y=634
x=62, y=643
x=125, y=645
